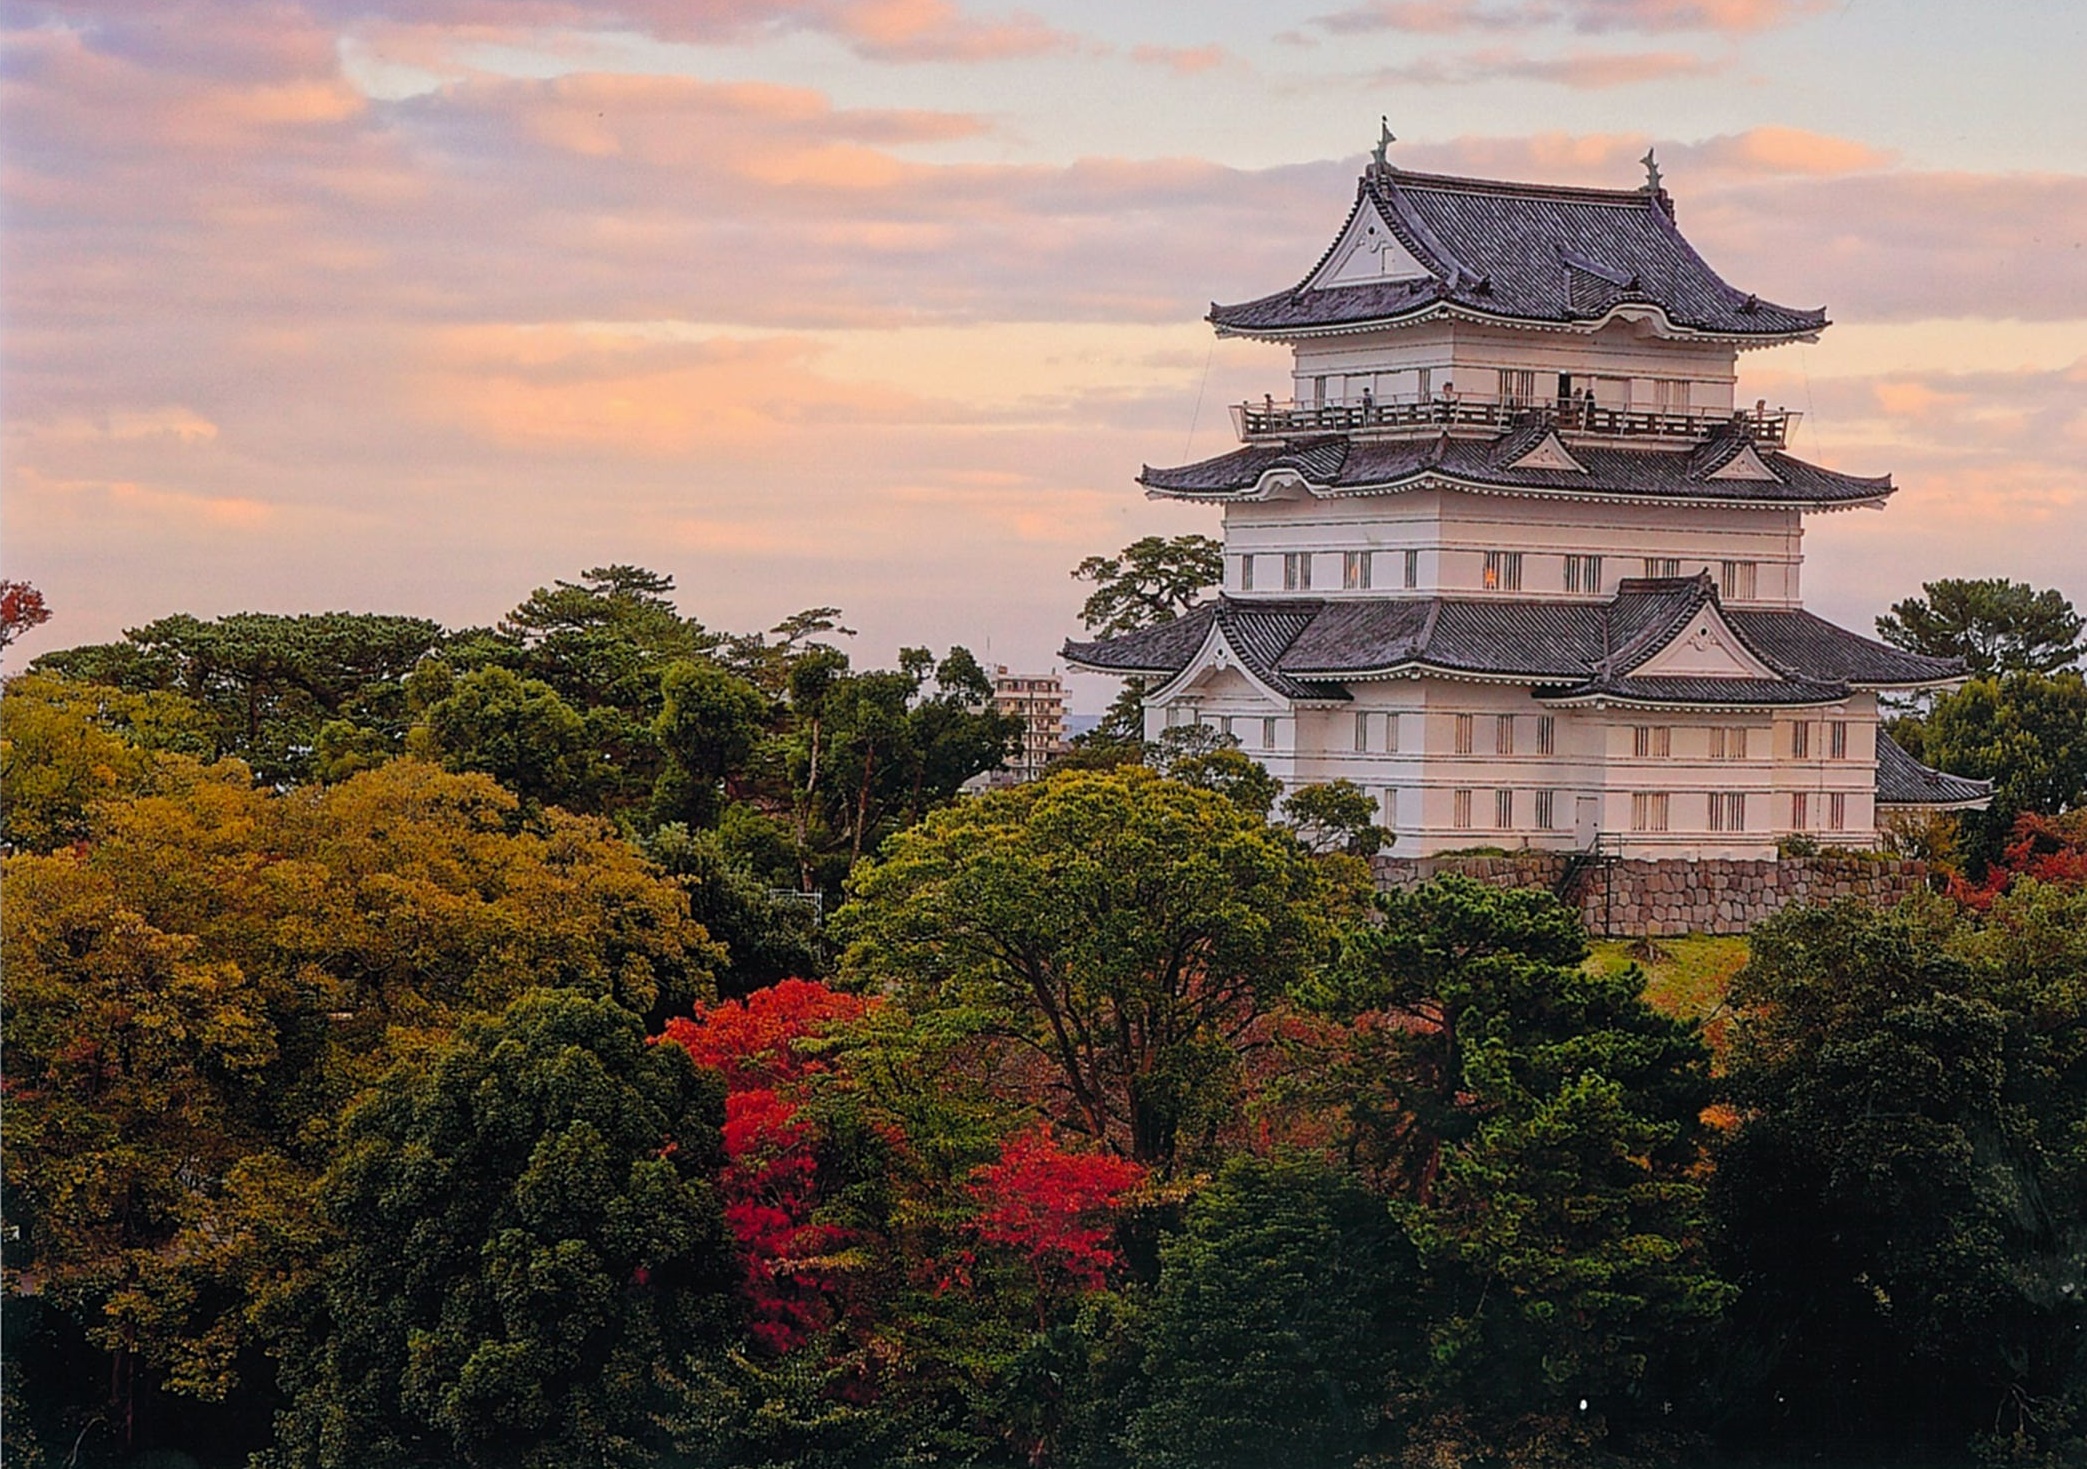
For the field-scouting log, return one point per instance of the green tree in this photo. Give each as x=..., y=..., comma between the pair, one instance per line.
x=2025, y=732
x=709, y=723
x=1539, y=1125
x=1152, y=580
x=526, y=1227
x=267, y=682
x=1127, y=931
x=1904, y=1200
x=1335, y=817
x=1239, y=778
x=1996, y=626
x=517, y=730
x=766, y=939
x=1284, y=1307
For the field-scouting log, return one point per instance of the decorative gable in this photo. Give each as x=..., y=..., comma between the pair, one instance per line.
x=1549, y=453
x=1746, y=464
x=1706, y=647
x=1368, y=252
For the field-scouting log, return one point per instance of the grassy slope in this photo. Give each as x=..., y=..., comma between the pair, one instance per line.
x=1686, y=979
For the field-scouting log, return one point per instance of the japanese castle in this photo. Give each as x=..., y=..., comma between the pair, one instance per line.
x=1515, y=557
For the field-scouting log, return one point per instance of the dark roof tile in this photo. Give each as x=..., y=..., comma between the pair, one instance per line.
x=1904, y=781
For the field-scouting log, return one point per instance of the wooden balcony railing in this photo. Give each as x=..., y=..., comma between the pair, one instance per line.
x=1275, y=419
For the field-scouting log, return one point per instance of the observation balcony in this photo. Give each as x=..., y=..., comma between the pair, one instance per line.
x=1273, y=418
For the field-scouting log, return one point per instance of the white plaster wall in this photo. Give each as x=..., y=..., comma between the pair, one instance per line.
x=1453, y=530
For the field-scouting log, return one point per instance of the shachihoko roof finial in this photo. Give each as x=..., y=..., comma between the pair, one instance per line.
x=1651, y=172
x=1384, y=141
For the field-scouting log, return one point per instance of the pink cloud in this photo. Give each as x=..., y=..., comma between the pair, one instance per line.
x=1581, y=71
x=1182, y=60
x=1447, y=17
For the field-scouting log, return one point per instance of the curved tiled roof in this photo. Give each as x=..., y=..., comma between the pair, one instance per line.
x=1571, y=649
x=1338, y=465
x=1522, y=252
x=1904, y=781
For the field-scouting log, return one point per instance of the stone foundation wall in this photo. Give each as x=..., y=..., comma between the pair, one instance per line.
x=1632, y=899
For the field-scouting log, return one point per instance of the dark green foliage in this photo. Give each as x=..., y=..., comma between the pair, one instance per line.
x=1904, y=1201
x=767, y=938
x=1996, y=626
x=1336, y=817
x=267, y=683
x=1152, y=580
x=1538, y=1127
x=1283, y=1308
x=710, y=719
x=526, y=1228
x=517, y=730
x=2025, y=732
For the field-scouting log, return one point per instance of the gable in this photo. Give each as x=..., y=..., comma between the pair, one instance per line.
x=1549, y=453
x=1746, y=464
x=1706, y=647
x=1216, y=672
x=1368, y=252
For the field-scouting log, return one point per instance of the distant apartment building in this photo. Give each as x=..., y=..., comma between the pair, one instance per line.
x=1038, y=699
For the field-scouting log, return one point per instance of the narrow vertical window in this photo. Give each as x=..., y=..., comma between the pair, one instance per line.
x=1662, y=566
x=1355, y=570
x=1460, y=810
x=1837, y=811
x=1800, y=810
x=1737, y=579
x=1738, y=743
x=1801, y=740
x=1224, y=727
x=1362, y=732
x=1246, y=573
x=1412, y=569
x=1717, y=744
x=1546, y=810
x=1583, y=574
x=1728, y=811
x=1268, y=734
x=1504, y=734
x=1504, y=810
x=1465, y=723
x=1652, y=741
x=1837, y=740
x=1503, y=571
x=1546, y=735
x=1391, y=734
x=1649, y=810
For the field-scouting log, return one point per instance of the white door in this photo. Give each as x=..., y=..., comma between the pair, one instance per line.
x=1586, y=821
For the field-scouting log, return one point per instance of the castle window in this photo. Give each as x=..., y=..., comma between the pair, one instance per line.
x=1663, y=566
x=1728, y=811
x=1355, y=570
x=1504, y=810
x=1268, y=734
x=1504, y=735
x=1801, y=740
x=1503, y=571
x=1652, y=741
x=1546, y=810
x=1246, y=573
x=1837, y=740
x=1670, y=395
x=1224, y=727
x=1517, y=386
x=1800, y=810
x=1362, y=732
x=1546, y=735
x=1413, y=568
x=1737, y=580
x=1391, y=734
x=1464, y=727
x=1728, y=744
x=1460, y=810
x=1648, y=810
x=1837, y=811
x=1297, y=571
x=1583, y=573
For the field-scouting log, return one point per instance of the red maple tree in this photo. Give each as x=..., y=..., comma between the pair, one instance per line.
x=771, y=1173
x=21, y=608
x=1053, y=1208
x=2050, y=849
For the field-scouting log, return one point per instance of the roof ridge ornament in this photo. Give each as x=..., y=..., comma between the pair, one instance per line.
x=1379, y=164
x=1652, y=176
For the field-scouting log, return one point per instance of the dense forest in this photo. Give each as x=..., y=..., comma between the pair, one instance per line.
x=600, y=1039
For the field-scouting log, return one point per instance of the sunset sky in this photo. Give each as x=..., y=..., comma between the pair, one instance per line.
x=412, y=305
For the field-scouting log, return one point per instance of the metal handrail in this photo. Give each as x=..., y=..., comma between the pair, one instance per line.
x=1271, y=418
